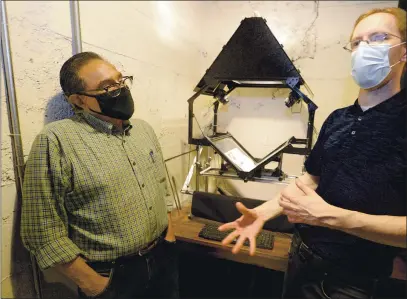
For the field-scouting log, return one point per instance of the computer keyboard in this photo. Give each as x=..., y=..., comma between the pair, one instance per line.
x=264, y=240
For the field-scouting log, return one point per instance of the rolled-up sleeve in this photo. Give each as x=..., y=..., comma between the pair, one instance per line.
x=44, y=221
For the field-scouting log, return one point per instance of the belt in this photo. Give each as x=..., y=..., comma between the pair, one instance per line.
x=305, y=253
x=149, y=246
x=141, y=252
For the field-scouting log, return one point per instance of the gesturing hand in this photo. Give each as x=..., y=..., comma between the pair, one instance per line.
x=247, y=227
x=309, y=208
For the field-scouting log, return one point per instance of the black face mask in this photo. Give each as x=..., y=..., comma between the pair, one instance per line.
x=120, y=107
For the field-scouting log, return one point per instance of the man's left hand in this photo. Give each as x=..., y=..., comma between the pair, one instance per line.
x=309, y=208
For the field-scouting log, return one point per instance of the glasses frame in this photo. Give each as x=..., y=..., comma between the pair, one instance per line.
x=105, y=90
x=345, y=47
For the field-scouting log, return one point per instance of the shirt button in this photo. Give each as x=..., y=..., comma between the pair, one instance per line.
x=359, y=118
x=150, y=208
x=142, y=185
x=353, y=132
x=134, y=163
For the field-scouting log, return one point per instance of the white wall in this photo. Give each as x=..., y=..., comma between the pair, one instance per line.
x=168, y=46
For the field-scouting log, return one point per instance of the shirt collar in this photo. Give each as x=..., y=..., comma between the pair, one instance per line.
x=389, y=105
x=104, y=126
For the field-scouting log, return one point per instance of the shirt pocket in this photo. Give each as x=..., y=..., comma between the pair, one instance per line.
x=155, y=168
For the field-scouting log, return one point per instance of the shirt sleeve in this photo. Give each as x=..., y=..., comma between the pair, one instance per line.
x=313, y=163
x=44, y=221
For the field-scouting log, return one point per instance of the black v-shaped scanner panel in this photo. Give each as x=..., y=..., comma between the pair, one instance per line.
x=252, y=53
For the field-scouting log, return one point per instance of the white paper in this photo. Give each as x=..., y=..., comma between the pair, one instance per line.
x=239, y=158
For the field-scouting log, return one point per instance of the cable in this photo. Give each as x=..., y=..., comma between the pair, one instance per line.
x=199, y=126
x=203, y=134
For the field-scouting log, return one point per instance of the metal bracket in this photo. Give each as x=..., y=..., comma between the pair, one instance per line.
x=185, y=187
x=292, y=81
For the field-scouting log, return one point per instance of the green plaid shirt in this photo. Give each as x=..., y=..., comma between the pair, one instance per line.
x=93, y=191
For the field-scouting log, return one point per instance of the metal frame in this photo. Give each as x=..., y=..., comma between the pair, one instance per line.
x=269, y=178
x=291, y=83
x=274, y=155
x=194, y=166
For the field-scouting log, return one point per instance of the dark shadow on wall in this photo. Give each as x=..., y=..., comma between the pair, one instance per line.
x=21, y=270
x=57, y=109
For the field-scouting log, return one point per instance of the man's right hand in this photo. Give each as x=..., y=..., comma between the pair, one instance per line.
x=247, y=227
x=96, y=287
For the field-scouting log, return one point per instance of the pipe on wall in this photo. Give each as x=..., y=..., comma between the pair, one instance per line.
x=14, y=124
x=76, y=27
x=11, y=101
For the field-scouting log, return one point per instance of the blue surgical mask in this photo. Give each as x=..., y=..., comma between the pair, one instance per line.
x=370, y=64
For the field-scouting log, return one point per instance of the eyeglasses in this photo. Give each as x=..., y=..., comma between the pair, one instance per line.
x=376, y=38
x=112, y=90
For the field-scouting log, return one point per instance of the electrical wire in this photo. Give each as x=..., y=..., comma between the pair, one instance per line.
x=199, y=126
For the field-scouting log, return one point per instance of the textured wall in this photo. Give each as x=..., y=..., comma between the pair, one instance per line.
x=39, y=43
x=312, y=33
x=167, y=46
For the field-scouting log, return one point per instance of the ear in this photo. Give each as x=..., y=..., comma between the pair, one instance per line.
x=403, y=58
x=76, y=100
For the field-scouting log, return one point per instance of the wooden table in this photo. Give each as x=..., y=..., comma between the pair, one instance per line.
x=187, y=230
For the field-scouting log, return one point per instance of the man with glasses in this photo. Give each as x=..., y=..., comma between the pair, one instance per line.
x=95, y=202
x=350, y=205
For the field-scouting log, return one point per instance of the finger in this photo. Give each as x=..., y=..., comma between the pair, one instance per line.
x=287, y=198
x=229, y=238
x=238, y=244
x=243, y=210
x=288, y=205
x=290, y=213
x=283, y=199
x=292, y=199
x=293, y=219
x=252, y=246
x=304, y=188
x=227, y=226
x=284, y=193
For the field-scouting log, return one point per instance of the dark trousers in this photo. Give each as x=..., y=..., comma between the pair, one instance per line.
x=152, y=275
x=308, y=276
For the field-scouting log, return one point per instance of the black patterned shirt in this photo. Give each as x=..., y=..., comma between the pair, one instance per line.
x=360, y=157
